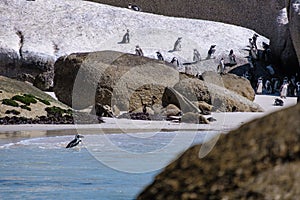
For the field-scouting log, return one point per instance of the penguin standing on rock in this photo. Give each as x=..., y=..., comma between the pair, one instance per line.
x=159, y=56
x=177, y=45
x=75, y=141
x=211, y=52
x=126, y=38
x=175, y=62
x=138, y=51
x=134, y=7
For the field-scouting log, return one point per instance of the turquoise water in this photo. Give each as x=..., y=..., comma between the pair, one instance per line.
x=42, y=168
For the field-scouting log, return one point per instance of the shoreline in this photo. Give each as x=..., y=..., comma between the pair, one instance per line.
x=225, y=123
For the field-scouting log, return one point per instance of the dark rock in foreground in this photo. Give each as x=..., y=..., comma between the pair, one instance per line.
x=257, y=161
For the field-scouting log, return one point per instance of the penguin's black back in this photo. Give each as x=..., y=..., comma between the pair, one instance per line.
x=73, y=143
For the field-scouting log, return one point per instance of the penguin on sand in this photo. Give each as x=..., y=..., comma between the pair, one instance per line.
x=75, y=141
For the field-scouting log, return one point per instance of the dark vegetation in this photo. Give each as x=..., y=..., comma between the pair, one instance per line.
x=58, y=112
x=10, y=102
x=25, y=99
x=55, y=115
x=14, y=112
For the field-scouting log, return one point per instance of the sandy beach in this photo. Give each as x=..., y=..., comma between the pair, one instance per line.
x=225, y=122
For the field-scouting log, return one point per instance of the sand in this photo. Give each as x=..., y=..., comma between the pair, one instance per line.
x=225, y=122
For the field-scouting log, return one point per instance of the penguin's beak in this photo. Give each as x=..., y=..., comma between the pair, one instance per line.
x=80, y=136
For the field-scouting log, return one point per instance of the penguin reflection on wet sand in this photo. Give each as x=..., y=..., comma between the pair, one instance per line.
x=75, y=141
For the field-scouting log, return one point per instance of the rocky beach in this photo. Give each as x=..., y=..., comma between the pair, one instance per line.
x=96, y=67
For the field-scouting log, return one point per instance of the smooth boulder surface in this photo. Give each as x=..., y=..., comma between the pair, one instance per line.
x=259, y=160
x=240, y=85
x=222, y=99
x=34, y=34
x=130, y=82
x=268, y=18
x=112, y=78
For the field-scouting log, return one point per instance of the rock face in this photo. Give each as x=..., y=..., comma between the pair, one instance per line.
x=112, y=78
x=129, y=82
x=44, y=81
x=294, y=23
x=271, y=20
x=232, y=82
x=172, y=96
x=10, y=88
x=220, y=98
x=26, y=48
x=256, y=161
x=194, y=118
x=21, y=103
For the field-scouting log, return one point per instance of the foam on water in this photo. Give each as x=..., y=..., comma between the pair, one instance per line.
x=130, y=142
x=42, y=168
x=42, y=142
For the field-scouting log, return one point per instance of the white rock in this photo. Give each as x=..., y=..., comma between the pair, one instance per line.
x=53, y=28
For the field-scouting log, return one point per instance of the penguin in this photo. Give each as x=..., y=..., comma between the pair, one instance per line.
x=134, y=7
x=254, y=38
x=177, y=45
x=126, y=38
x=175, y=62
x=211, y=51
x=138, y=51
x=196, y=56
x=278, y=102
x=251, y=43
x=75, y=141
x=159, y=56
x=144, y=109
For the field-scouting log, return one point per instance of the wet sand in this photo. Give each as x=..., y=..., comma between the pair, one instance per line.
x=225, y=122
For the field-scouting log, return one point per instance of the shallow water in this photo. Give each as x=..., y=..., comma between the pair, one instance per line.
x=42, y=168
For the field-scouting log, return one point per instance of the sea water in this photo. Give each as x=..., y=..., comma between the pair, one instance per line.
x=42, y=168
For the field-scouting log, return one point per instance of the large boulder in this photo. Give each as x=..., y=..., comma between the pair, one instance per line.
x=31, y=105
x=44, y=81
x=220, y=98
x=112, y=78
x=257, y=161
x=171, y=96
x=240, y=85
x=25, y=47
x=271, y=20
